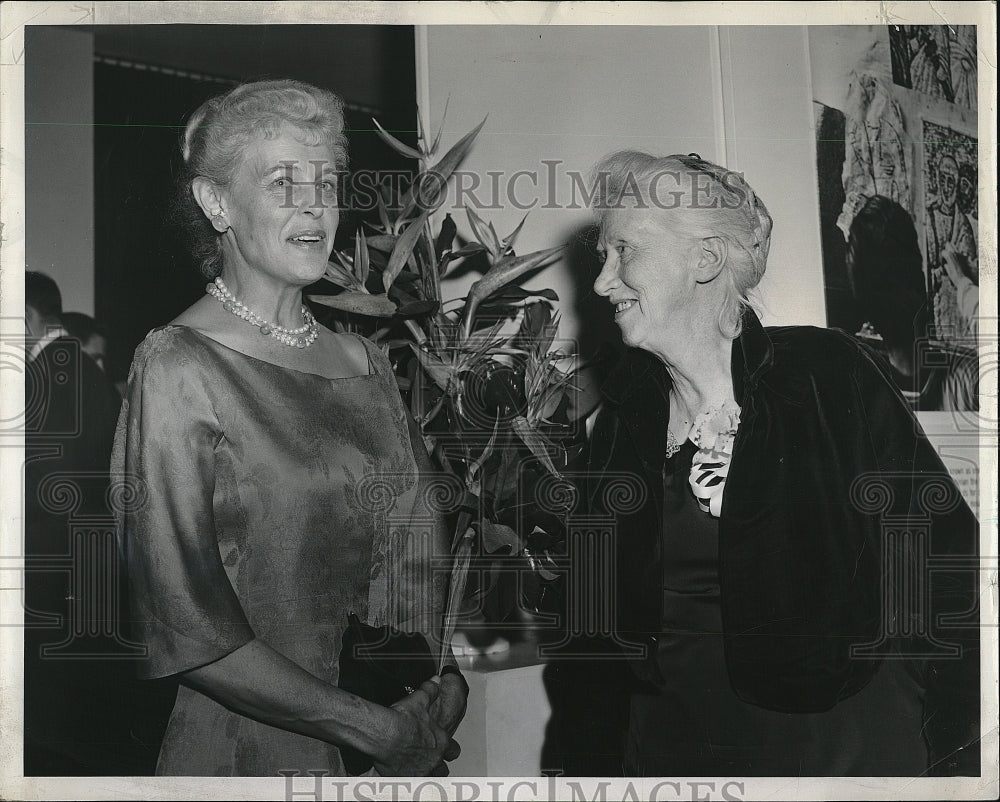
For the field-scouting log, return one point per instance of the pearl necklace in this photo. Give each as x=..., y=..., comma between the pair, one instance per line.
x=302, y=337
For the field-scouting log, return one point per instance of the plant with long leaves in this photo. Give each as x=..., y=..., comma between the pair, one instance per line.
x=492, y=399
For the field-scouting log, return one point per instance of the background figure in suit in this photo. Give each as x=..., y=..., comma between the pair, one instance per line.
x=78, y=714
x=83, y=328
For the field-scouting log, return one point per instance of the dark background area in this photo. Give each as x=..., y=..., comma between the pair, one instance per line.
x=148, y=79
x=841, y=310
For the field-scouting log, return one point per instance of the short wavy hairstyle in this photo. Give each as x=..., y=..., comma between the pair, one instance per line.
x=222, y=127
x=698, y=199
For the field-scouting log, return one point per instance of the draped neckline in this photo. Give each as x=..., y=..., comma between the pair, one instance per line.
x=371, y=367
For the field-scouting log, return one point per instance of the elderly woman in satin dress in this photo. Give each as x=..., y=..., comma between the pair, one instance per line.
x=755, y=585
x=249, y=433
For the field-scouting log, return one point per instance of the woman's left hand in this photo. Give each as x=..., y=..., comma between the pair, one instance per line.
x=448, y=710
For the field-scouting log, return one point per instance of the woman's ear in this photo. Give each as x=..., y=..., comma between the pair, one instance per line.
x=712, y=255
x=208, y=197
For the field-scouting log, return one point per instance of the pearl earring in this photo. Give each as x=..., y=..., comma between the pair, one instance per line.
x=218, y=221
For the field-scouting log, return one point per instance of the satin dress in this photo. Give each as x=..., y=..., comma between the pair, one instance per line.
x=694, y=724
x=265, y=502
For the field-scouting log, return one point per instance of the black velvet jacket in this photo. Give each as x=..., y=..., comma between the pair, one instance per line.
x=834, y=493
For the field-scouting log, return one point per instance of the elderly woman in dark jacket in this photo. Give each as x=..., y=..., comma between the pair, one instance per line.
x=800, y=578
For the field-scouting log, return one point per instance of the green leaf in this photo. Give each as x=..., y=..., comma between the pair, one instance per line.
x=471, y=249
x=538, y=328
x=378, y=260
x=382, y=242
x=446, y=166
x=515, y=293
x=440, y=372
x=499, y=536
x=536, y=562
x=512, y=267
x=417, y=308
x=536, y=442
x=546, y=334
x=345, y=259
x=484, y=341
x=361, y=263
x=437, y=139
x=425, y=248
x=395, y=144
x=482, y=232
x=466, y=250
x=501, y=274
x=341, y=276
x=383, y=213
x=445, y=237
x=476, y=465
x=497, y=309
x=433, y=411
x=505, y=481
x=510, y=239
x=462, y=557
x=421, y=133
x=403, y=250
x=400, y=296
x=418, y=333
x=498, y=248
x=442, y=170
x=407, y=284
x=536, y=318
x=358, y=303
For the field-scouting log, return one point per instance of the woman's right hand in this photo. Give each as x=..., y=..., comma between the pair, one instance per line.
x=414, y=746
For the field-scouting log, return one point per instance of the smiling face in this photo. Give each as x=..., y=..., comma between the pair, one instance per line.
x=281, y=209
x=648, y=276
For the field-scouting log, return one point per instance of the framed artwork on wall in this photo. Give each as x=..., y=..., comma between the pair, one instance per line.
x=950, y=218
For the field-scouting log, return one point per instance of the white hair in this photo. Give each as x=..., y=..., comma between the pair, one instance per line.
x=706, y=200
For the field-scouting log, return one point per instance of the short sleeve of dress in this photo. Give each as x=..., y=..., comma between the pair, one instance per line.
x=184, y=608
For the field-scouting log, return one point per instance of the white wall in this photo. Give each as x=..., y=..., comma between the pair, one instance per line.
x=771, y=135
x=59, y=162
x=573, y=94
x=739, y=96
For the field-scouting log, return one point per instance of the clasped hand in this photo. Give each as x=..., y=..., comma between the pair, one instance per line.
x=417, y=744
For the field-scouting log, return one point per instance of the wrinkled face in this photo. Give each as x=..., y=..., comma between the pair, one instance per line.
x=281, y=207
x=647, y=277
